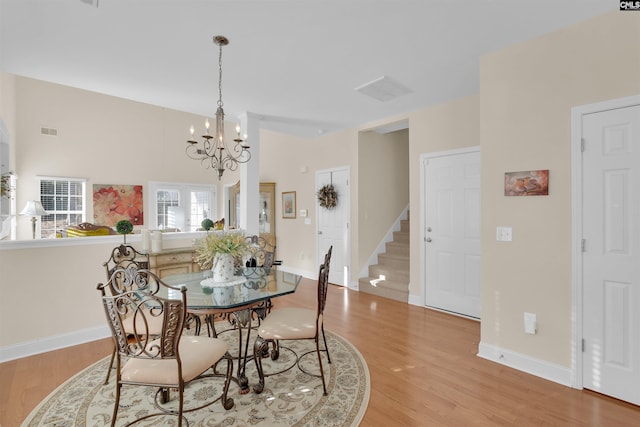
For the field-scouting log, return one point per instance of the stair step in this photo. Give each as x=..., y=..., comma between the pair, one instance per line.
x=401, y=236
x=387, y=289
x=394, y=265
x=397, y=249
x=391, y=273
x=394, y=261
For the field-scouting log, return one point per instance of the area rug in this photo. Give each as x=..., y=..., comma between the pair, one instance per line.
x=292, y=398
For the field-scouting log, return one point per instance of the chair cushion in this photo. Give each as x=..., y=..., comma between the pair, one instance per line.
x=289, y=323
x=155, y=324
x=196, y=353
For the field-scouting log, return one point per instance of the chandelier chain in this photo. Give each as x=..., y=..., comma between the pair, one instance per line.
x=220, y=104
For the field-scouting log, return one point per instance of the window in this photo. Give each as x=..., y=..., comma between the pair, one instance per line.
x=64, y=200
x=181, y=206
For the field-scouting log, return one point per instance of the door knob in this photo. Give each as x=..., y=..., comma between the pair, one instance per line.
x=428, y=239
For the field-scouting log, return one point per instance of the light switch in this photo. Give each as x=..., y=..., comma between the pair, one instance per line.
x=530, y=323
x=504, y=234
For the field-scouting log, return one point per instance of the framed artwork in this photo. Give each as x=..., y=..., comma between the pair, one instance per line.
x=526, y=183
x=289, y=204
x=112, y=203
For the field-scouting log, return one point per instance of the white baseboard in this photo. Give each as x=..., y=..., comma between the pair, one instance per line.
x=415, y=299
x=29, y=348
x=522, y=362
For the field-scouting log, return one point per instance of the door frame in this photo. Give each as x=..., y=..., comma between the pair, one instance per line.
x=577, y=286
x=423, y=213
x=347, y=207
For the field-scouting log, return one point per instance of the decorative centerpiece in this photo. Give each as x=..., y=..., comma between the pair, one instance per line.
x=218, y=251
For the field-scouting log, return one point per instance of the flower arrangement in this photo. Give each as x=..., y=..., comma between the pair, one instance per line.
x=233, y=243
x=328, y=197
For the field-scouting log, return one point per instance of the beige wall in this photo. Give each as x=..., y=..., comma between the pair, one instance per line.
x=449, y=126
x=104, y=139
x=383, y=187
x=527, y=92
x=50, y=290
x=292, y=164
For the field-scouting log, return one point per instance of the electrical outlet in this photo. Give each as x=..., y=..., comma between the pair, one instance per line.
x=504, y=234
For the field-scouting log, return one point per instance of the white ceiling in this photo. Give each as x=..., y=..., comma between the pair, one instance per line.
x=294, y=63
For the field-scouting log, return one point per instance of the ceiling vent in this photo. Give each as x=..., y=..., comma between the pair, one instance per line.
x=49, y=131
x=383, y=89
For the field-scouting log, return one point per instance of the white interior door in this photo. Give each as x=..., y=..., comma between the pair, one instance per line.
x=452, y=232
x=611, y=254
x=333, y=226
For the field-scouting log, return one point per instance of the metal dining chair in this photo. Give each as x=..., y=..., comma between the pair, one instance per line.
x=167, y=360
x=294, y=323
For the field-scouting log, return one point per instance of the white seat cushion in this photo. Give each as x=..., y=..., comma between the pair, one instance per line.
x=289, y=323
x=197, y=355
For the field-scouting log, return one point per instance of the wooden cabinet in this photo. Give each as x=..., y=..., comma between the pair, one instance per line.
x=173, y=261
x=267, y=214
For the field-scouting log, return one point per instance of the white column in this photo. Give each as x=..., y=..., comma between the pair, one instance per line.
x=250, y=175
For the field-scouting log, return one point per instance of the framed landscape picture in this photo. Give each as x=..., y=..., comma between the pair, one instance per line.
x=289, y=204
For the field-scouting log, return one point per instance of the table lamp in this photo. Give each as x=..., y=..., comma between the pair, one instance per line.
x=33, y=209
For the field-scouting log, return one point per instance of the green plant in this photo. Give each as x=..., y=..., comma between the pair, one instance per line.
x=233, y=243
x=5, y=184
x=124, y=227
x=206, y=224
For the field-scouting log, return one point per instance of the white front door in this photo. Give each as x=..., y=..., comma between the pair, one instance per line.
x=611, y=254
x=452, y=232
x=333, y=226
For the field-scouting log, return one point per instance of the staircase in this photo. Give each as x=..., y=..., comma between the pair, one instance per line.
x=394, y=265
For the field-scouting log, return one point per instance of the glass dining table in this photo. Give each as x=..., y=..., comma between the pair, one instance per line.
x=244, y=299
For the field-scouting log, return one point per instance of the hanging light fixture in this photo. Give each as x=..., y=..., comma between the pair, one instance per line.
x=214, y=152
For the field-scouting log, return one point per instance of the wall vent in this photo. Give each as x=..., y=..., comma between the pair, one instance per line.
x=49, y=131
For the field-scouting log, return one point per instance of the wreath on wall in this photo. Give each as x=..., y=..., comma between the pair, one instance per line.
x=328, y=197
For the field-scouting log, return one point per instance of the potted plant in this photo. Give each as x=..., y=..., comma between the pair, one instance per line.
x=124, y=227
x=206, y=224
x=218, y=251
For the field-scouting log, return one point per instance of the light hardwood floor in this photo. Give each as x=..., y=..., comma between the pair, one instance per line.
x=423, y=366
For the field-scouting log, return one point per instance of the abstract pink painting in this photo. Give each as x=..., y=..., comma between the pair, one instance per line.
x=112, y=203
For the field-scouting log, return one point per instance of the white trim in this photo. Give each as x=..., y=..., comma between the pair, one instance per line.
x=540, y=368
x=90, y=240
x=576, y=211
x=422, y=214
x=54, y=342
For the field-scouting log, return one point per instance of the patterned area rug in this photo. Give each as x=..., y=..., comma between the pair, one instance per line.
x=292, y=398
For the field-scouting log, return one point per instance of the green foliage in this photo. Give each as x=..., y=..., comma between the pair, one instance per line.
x=124, y=226
x=233, y=243
x=206, y=224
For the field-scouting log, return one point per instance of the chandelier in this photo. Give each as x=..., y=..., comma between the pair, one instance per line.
x=214, y=152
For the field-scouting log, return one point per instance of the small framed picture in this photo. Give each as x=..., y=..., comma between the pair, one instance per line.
x=289, y=204
x=527, y=183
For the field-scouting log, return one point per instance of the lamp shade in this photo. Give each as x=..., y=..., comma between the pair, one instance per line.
x=34, y=208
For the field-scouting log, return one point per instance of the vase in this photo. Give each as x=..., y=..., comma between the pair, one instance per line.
x=223, y=268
